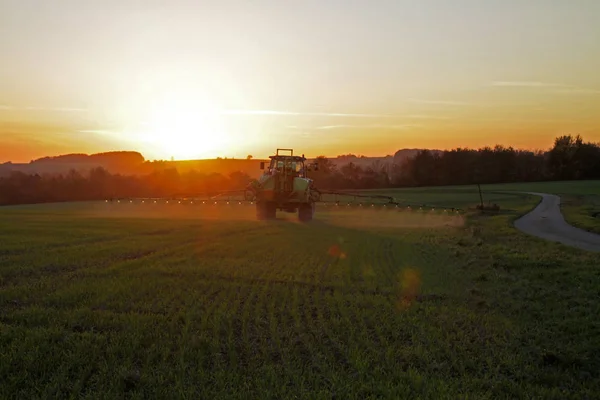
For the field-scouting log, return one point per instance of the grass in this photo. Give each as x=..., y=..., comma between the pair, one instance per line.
x=99, y=300
x=580, y=200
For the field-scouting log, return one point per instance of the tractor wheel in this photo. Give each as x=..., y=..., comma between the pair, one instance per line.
x=306, y=212
x=261, y=212
x=266, y=211
x=271, y=210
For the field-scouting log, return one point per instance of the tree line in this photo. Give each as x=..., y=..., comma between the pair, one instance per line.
x=570, y=158
x=100, y=184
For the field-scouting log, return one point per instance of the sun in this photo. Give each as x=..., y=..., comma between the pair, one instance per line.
x=185, y=129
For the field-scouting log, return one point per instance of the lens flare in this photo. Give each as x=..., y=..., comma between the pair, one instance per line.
x=336, y=252
x=410, y=285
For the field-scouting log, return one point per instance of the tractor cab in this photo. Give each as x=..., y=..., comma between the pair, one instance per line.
x=288, y=165
x=292, y=166
x=285, y=186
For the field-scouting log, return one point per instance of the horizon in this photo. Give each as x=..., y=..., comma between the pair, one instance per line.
x=365, y=78
x=266, y=157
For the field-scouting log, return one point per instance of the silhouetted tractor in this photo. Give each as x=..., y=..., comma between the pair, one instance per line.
x=285, y=186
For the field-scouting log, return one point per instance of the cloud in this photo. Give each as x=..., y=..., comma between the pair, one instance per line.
x=59, y=109
x=528, y=84
x=425, y=116
x=310, y=114
x=258, y=112
x=344, y=115
x=327, y=127
x=578, y=91
x=375, y=126
x=99, y=131
x=441, y=102
x=556, y=87
x=32, y=108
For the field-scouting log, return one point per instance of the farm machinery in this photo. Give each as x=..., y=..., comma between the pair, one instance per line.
x=286, y=185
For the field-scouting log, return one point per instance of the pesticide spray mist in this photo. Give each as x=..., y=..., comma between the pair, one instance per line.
x=351, y=217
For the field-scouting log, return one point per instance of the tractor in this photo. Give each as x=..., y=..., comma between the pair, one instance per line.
x=285, y=186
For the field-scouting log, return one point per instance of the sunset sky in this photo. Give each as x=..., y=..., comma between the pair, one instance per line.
x=200, y=79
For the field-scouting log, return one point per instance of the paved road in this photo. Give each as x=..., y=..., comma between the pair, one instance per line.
x=546, y=221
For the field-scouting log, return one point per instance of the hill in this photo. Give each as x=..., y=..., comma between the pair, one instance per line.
x=134, y=163
x=127, y=163
x=124, y=162
x=223, y=166
x=363, y=161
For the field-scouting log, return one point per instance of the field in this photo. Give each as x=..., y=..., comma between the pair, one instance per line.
x=179, y=301
x=580, y=200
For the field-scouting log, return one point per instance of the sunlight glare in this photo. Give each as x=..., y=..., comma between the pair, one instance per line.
x=185, y=128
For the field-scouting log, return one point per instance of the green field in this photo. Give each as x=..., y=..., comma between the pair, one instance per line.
x=180, y=301
x=580, y=200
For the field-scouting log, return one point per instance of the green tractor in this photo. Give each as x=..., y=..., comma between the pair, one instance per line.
x=285, y=186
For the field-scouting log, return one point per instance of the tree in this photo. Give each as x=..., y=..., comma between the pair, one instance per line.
x=351, y=173
x=425, y=168
x=238, y=180
x=569, y=158
x=561, y=157
x=324, y=176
